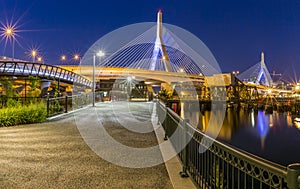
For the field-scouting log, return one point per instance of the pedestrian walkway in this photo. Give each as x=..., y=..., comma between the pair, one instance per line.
x=54, y=154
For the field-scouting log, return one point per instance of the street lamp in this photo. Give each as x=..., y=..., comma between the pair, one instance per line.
x=9, y=32
x=63, y=58
x=76, y=57
x=235, y=72
x=39, y=59
x=33, y=54
x=99, y=54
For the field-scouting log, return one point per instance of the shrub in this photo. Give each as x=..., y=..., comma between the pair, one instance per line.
x=32, y=113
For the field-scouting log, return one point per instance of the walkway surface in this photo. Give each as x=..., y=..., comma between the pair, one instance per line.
x=54, y=154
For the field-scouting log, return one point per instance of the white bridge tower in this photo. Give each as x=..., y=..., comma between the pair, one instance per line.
x=160, y=46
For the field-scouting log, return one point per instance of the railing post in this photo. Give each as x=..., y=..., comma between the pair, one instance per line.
x=184, y=152
x=157, y=112
x=66, y=104
x=48, y=106
x=293, y=176
x=166, y=123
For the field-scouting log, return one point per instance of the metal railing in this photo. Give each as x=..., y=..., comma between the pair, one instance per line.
x=65, y=104
x=212, y=164
x=54, y=106
x=21, y=68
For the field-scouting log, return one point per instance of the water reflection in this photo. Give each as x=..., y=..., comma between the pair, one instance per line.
x=263, y=127
x=272, y=136
x=289, y=120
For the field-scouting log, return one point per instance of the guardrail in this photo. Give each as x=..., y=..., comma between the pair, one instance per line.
x=212, y=164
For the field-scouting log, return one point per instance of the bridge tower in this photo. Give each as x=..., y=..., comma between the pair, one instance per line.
x=160, y=47
x=264, y=72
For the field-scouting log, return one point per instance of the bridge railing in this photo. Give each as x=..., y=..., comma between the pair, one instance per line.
x=20, y=68
x=212, y=164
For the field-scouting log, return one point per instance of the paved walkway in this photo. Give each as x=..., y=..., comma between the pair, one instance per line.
x=54, y=154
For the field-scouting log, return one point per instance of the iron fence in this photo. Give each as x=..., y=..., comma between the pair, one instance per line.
x=54, y=106
x=212, y=164
x=65, y=104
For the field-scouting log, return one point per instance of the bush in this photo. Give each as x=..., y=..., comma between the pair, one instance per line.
x=33, y=113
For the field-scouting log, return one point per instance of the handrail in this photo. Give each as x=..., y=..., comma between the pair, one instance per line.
x=221, y=166
x=64, y=104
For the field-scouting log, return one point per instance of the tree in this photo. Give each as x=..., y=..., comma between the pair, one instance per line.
x=34, y=88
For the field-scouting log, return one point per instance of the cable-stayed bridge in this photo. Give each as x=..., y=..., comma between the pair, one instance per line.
x=156, y=54
x=257, y=74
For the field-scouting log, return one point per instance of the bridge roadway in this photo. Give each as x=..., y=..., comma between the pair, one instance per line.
x=112, y=72
x=160, y=76
x=54, y=155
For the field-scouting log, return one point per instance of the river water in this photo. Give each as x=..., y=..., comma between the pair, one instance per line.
x=275, y=137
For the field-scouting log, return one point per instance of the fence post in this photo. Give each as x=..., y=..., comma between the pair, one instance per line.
x=185, y=142
x=293, y=176
x=48, y=106
x=166, y=123
x=66, y=105
x=157, y=112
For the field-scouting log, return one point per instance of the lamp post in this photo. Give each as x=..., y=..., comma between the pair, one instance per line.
x=235, y=72
x=33, y=54
x=10, y=33
x=99, y=54
x=39, y=59
x=76, y=57
x=63, y=58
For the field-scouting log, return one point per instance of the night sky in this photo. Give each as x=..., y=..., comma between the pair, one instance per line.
x=235, y=31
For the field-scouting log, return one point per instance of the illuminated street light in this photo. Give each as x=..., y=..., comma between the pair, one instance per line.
x=33, y=54
x=235, y=72
x=99, y=54
x=63, y=58
x=9, y=33
x=76, y=57
x=39, y=59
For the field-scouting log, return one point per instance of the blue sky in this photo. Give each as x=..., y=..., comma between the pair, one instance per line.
x=235, y=31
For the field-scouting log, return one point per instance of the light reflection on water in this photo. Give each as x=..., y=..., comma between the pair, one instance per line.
x=272, y=136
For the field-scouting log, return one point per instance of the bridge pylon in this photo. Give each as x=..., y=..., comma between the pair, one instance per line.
x=160, y=48
x=264, y=72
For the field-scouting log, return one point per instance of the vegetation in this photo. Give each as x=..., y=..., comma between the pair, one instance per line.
x=165, y=95
x=8, y=92
x=32, y=113
x=14, y=112
x=55, y=107
x=34, y=91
